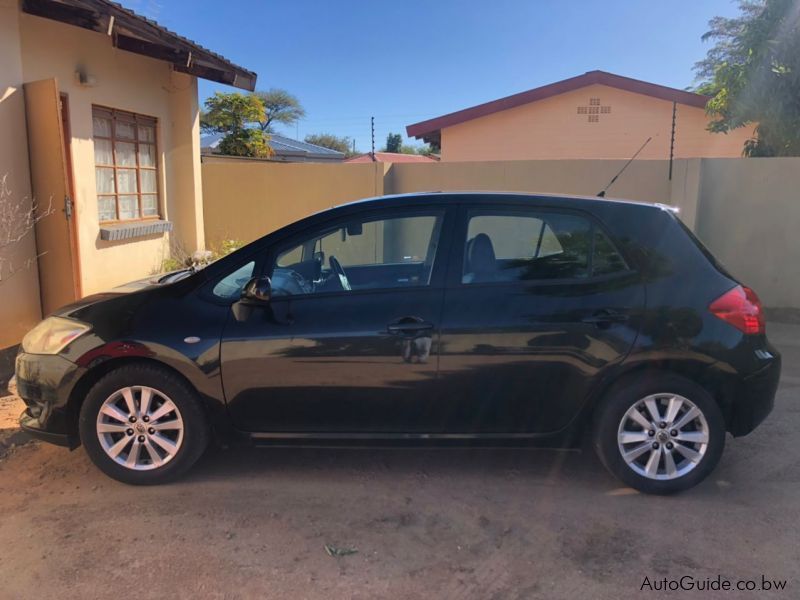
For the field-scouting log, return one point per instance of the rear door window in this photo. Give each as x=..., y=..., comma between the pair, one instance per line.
x=527, y=245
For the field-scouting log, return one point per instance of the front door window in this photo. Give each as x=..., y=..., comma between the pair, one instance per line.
x=395, y=252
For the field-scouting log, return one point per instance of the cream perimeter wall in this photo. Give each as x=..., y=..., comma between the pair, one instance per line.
x=749, y=216
x=552, y=129
x=133, y=83
x=745, y=210
x=246, y=199
x=249, y=198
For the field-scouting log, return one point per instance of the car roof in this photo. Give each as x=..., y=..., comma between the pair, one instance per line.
x=471, y=196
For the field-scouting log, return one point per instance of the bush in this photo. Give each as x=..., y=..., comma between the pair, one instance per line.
x=180, y=259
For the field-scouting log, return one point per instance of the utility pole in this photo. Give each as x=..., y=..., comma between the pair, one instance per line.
x=672, y=138
x=354, y=146
x=372, y=126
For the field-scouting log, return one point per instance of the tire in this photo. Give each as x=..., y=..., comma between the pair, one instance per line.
x=679, y=441
x=162, y=443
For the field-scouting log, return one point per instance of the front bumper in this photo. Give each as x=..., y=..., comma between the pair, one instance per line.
x=44, y=382
x=755, y=397
x=31, y=426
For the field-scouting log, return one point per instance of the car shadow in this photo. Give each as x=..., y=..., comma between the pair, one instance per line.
x=534, y=465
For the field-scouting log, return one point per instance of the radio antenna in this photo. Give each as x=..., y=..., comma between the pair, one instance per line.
x=602, y=194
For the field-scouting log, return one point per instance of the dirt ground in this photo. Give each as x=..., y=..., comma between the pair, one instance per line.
x=505, y=524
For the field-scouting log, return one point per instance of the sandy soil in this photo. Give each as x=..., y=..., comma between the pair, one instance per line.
x=502, y=524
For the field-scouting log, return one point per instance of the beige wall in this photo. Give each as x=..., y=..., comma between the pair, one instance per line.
x=745, y=210
x=246, y=199
x=646, y=179
x=133, y=83
x=19, y=293
x=249, y=198
x=552, y=129
x=749, y=217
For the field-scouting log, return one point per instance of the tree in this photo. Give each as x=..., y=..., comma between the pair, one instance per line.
x=235, y=115
x=279, y=107
x=228, y=112
x=394, y=142
x=427, y=150
x=753, y=74
x=328, y=140
x=246, y=142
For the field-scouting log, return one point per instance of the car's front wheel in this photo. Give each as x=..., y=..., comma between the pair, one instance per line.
x=660, y=434
x=142, y=424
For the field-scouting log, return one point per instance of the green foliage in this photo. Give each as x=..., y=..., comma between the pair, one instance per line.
x=233, y=114
x=394, y=142
x=427, y=150
x=172, y=264
x=246, y=142
x=226, y=247
x=328, y=140
x=753, y=74
x=279, y=107
x=180, y=259
x=226, y=113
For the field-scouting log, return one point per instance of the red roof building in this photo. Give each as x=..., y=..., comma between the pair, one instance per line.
x=391, y=157
x=596, y=115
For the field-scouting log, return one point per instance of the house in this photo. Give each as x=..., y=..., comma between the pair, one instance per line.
x=594, y=115
x=285, y=149
x=391, y=157
x=100, y=137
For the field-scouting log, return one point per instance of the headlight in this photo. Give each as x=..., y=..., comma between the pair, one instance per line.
x=52, y=335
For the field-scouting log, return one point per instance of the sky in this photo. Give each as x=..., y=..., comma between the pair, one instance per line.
x=409, y=60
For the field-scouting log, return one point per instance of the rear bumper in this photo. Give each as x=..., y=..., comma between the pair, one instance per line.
x=755, y=397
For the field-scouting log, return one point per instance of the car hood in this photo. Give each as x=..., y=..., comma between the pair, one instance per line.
x=151, y=283
x=154, y=281
x=70, y=309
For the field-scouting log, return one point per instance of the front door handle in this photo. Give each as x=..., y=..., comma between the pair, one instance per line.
x=604, y=318
x=408, y=326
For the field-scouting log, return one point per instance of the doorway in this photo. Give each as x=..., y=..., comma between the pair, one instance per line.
x=51, y=182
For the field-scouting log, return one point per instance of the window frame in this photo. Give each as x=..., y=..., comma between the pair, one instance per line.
x=137, y=119
x=466, y=211
x=438, y=268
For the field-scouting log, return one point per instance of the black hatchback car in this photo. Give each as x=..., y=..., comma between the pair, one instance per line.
x=468, y=318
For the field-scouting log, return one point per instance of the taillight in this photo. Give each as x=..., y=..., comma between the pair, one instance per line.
x=741, y=308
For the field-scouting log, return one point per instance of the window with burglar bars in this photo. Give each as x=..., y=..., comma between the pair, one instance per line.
x=126, y=165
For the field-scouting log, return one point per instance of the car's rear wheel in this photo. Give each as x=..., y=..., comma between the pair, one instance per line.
x=142, y=424
x=660, y=433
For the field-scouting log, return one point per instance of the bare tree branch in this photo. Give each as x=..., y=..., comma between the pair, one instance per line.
x=18, y=219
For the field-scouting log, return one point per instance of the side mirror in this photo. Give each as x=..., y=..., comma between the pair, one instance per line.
x=257, y=291
x=355, y=229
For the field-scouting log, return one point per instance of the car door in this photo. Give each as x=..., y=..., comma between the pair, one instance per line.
x=539, y=302
x=349, y=341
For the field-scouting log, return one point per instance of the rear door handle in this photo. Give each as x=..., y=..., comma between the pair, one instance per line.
x=409, y=328
x=605, y=317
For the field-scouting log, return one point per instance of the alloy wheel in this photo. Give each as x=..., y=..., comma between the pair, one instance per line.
x=140, y=428
x=663, y=436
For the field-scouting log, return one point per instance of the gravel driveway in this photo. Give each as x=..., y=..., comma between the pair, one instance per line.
x=254, y=523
